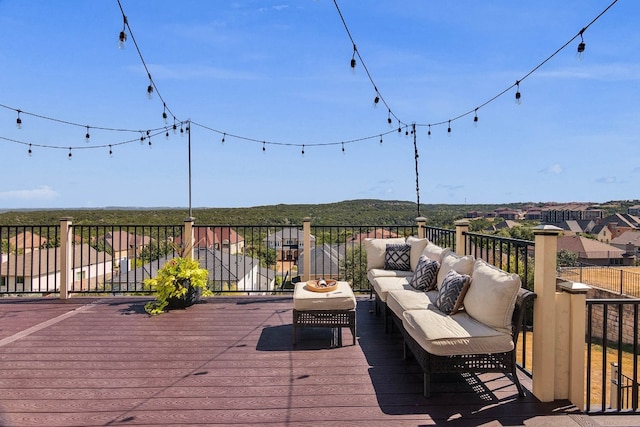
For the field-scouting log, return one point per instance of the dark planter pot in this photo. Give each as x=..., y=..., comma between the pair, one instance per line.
x=191, y=297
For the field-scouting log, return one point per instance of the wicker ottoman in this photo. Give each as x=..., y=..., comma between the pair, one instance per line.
x=336, y=310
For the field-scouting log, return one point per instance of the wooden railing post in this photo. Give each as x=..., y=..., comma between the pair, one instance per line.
x=422, y=227
x=66, y=257
x=570, y=354
x=189, y=240
x=544, y=312
x=462, y=226
x=306, y=242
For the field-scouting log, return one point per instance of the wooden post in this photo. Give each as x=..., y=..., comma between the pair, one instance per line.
x=189, y=240
x=544, y=312
x=66, y=257
x=306, y=242
x=422, y=227
x=462, y=226
x=575, y=347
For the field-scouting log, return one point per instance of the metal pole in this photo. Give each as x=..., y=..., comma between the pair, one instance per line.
x=189, y=149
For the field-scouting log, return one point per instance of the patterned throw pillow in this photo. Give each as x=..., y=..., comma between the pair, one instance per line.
x=397, y=257
x=424, y=278
x=452, y=292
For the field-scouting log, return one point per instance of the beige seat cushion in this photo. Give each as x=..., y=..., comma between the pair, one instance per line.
x=444, y=335
x=340, y=299
x=455, y=262
x=374, y=273
x=491, y=298
x=400, y=301
x=382, y=285
x=376, y=248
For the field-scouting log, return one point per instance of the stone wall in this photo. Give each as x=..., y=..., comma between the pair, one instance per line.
x=629, y=323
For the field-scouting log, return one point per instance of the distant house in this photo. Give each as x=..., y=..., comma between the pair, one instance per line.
x=325, y=261
x=288, y=243
x=593, y=252
x=573, y=226
x=507, y=213
x=634, y=210
x=39, y=272
x=227, y=272
x=506, y=224
x=218, y=238
x=124, y=246
x=27, y=241
x=533, y=214
x=378, y=233
x=619, y=223
x=629, y=241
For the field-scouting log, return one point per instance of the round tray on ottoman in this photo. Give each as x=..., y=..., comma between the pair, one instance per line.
x=318, y=286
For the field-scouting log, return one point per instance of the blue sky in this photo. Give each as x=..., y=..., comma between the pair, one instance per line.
x=279, y=72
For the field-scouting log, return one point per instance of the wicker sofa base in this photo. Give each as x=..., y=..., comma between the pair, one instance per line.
x=335, y=319
x=466, y=363
x=504, y=362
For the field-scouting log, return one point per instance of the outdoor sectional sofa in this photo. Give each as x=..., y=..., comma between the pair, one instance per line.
x=455, y=313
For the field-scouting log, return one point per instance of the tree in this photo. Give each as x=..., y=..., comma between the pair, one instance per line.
x=353, y=268
x=567, y=258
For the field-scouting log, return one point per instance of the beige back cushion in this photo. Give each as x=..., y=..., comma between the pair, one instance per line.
x=492, y=296
x=417, y=246
x=455, y=262
x=434, y=252
x=375, y=250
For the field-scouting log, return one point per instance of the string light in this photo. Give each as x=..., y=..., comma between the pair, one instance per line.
x=449, y=129
x=110, y=151
x=70, y=155
x=87, y=136
x=429, y=132
x=175, y=127
x=342, y=147
x=123, y=35
x=224, y=135
x=167, y=134
x=518, y=101
x=164, y=113
x=581, y=45
x=30, y=152
x=376, y=100
x=302, y=150
x=150, y=87
x=264, y=148
x=353, y=58
x=19, y=121
x=475, y=118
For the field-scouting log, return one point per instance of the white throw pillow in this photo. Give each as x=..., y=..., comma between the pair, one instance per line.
x=453, y=261
x=376, y=249
x=492, y=296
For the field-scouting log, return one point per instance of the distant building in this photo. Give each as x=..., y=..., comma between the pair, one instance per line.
x=629, y=241
x=593, y=252
x=634, y=210
x=574, y=211
x=288, y=243
x=219, y=238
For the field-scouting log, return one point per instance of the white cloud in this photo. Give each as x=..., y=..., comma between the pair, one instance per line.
x=42, y=193
x=552, y=169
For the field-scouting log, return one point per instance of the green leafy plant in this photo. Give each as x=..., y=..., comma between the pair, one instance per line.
x=173, y=282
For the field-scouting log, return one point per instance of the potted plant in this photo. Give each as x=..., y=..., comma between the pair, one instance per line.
x=179, y=283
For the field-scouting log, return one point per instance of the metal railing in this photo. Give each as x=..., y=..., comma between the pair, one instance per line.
x=612, y=337
x=618, y=280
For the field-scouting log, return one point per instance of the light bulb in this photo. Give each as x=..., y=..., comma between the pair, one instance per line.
x=87, y=136
x=150, y=91
x=19, y=121
x=122, y=39
x=581, y=47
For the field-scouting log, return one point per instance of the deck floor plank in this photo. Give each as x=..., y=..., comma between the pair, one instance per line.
x=228, y=361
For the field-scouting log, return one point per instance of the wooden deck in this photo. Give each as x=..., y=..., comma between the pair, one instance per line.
x=230, y=361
